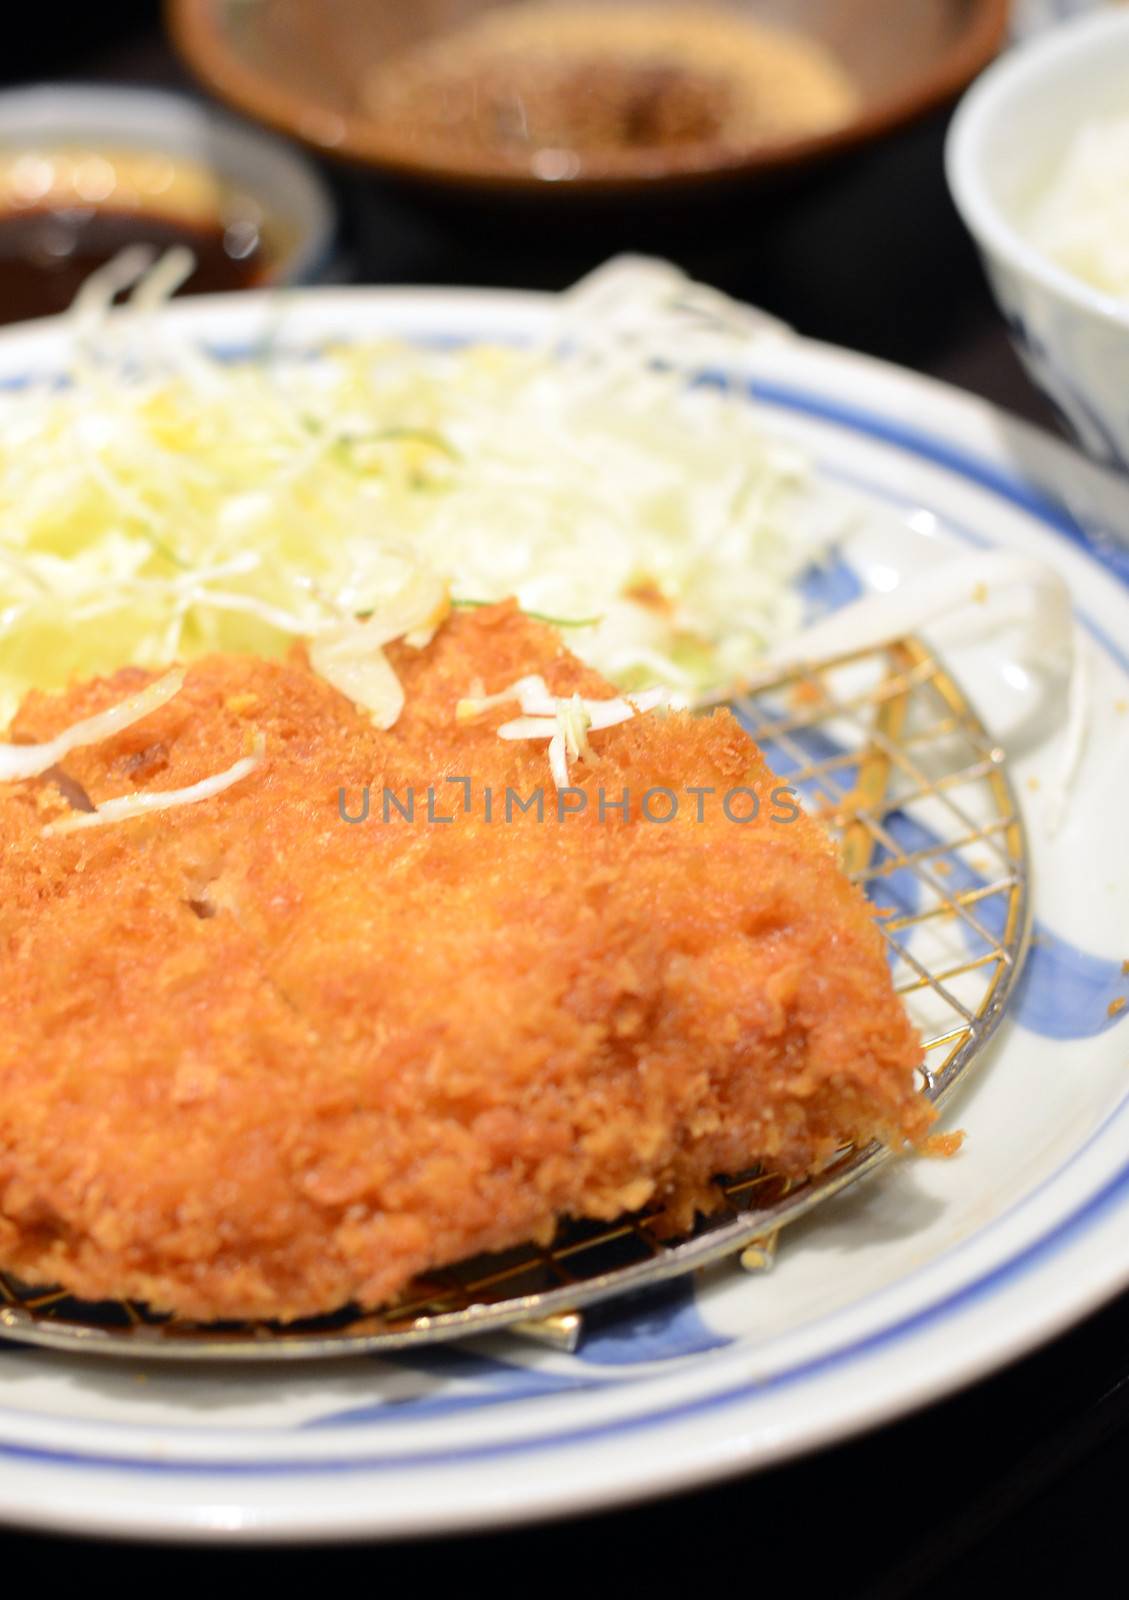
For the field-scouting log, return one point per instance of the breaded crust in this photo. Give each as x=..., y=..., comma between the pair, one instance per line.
x=257, y=1060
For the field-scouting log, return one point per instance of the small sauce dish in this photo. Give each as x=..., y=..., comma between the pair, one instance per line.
x=85, y=172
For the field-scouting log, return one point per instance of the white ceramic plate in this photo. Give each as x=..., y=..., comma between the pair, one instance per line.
x=925, y=1278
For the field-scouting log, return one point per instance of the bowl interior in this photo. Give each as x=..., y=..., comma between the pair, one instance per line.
x=1025, y=126
x=304, y=66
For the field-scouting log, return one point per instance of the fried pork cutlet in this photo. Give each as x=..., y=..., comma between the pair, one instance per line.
x=257, y=1060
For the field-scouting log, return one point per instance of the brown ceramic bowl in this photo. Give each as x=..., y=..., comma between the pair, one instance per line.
x=307, y=68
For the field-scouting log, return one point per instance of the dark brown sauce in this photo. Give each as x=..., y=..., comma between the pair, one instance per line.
x=46, y=254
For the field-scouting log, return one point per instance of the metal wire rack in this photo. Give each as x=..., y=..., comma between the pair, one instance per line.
x=885, y=747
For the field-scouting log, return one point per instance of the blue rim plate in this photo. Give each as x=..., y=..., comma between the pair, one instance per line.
x=889, y=1297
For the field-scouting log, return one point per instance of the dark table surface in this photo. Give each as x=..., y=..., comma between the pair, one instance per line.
x=1020, y=1481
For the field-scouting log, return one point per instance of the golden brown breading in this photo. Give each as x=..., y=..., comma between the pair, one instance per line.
x=257, y=1060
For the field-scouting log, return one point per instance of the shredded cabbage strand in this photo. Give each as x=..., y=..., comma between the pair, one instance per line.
x=565, y=721
x=161, y=502
x=150, y=802
x=30, y=760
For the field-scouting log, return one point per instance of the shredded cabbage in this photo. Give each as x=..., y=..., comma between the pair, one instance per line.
x=162, y=503
x=30, y=760
x=150, y=802
x=565, y=721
